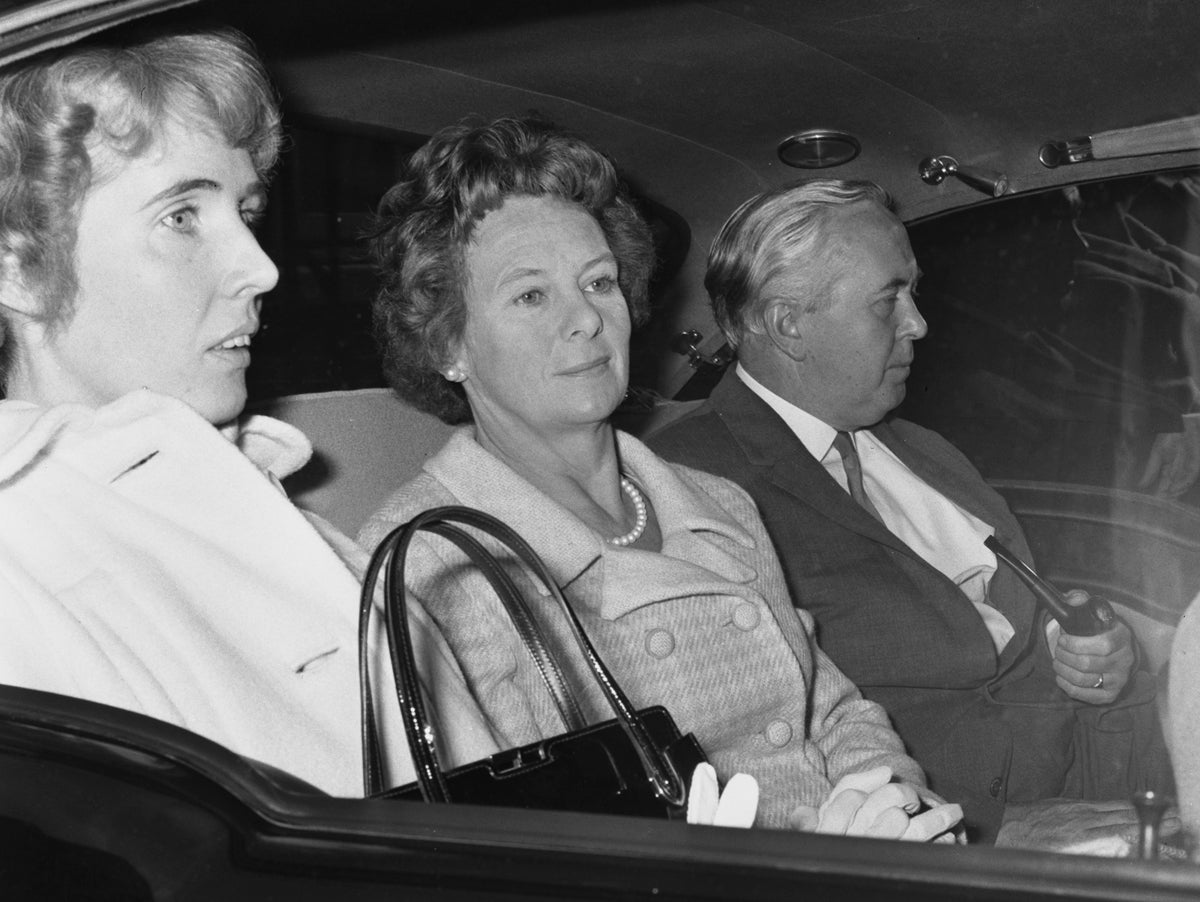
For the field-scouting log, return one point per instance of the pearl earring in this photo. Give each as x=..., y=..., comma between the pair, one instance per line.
x=454, y=374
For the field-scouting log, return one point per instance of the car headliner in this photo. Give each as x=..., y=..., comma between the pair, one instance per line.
x=693, y=99
x=985, y=82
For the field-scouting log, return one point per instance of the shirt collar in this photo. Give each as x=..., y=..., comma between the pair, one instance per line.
x=816, y=435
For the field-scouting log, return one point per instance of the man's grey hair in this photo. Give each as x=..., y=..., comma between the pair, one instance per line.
x=772, y=235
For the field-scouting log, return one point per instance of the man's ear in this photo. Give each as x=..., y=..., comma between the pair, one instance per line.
x=783, y=324
x=14, y=293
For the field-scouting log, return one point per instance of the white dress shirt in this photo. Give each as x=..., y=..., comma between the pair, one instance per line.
x=934, y=527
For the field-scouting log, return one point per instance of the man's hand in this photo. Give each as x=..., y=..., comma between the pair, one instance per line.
x=869, y=804
x=1069, y=825
x=1080, y=661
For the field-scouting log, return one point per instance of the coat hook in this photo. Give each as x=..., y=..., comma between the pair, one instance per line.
x=935, y=169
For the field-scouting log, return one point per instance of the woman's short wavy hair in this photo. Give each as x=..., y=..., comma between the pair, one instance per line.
x=57, y=111
x=426, y=220
x=774, y=235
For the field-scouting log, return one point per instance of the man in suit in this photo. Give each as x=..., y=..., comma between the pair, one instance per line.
x=880, y=523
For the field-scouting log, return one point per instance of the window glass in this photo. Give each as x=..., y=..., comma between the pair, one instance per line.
x=316, y=333
x=1062, y=358
x=1064, y=335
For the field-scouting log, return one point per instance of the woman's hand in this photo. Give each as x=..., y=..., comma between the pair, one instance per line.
x=735, y=807
x=869, y=804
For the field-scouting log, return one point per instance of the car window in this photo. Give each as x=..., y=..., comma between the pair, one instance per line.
x=1063, y=359
x=316, y=333
x=1064, y=334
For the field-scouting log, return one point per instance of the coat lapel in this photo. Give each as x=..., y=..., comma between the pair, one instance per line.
x=964, y=488
x=700, y=540
x=768, y=443
x=479, y=480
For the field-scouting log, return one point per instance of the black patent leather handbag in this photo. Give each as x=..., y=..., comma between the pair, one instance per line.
x=637, y=763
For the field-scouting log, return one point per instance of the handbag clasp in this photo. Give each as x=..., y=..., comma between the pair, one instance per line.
x=513, y=760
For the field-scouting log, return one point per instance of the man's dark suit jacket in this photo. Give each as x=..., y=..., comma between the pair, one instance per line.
x=987, y=728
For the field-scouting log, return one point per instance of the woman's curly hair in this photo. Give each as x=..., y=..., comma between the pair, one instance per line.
x=57, y=111
x=426, y=220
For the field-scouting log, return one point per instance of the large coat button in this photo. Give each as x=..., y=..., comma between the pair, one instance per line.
x=995, y=787
x=659, y=643
x=746, y=617
x=779, y=733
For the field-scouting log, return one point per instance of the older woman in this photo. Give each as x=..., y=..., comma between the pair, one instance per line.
x=513, y=265
x=145, y=560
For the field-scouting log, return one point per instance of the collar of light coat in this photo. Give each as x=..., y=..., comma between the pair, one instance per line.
x=689, y=517
x=125, y=434
x=275, y=447
x=193, y=482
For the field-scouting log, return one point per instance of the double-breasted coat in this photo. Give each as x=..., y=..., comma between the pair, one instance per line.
x=705, y=627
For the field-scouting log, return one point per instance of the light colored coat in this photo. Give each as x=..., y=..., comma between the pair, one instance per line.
x=705, y=628
x=147, y=563
x=1183, y=715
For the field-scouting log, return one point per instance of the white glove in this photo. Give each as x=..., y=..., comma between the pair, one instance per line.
x=735, y=807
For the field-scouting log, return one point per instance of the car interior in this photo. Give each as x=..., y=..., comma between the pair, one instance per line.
x=1037, y=152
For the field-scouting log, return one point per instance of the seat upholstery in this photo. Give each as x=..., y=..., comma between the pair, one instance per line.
x=366, y=443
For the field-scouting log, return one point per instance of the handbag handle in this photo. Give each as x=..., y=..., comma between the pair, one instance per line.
x=522, y=618
x=518, y=611
x=660, y=772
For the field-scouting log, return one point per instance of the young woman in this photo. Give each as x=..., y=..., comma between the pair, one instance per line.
x=148, y=560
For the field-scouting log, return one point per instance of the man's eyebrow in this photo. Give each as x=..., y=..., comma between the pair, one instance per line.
x=183, y=186
x=900, y=282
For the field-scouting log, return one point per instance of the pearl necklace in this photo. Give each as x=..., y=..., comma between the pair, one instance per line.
x=640, y=515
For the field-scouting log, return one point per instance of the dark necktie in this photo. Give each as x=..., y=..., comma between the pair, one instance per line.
x=854, y=480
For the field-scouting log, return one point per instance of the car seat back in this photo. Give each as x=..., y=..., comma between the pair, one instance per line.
x=366, y=443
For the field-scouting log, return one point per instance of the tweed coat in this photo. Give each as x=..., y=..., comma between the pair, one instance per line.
x=705, y=627
x=986, y=728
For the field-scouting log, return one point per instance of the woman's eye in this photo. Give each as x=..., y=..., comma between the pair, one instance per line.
x=602, y=285
x=181, y=220
x=530, y=297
